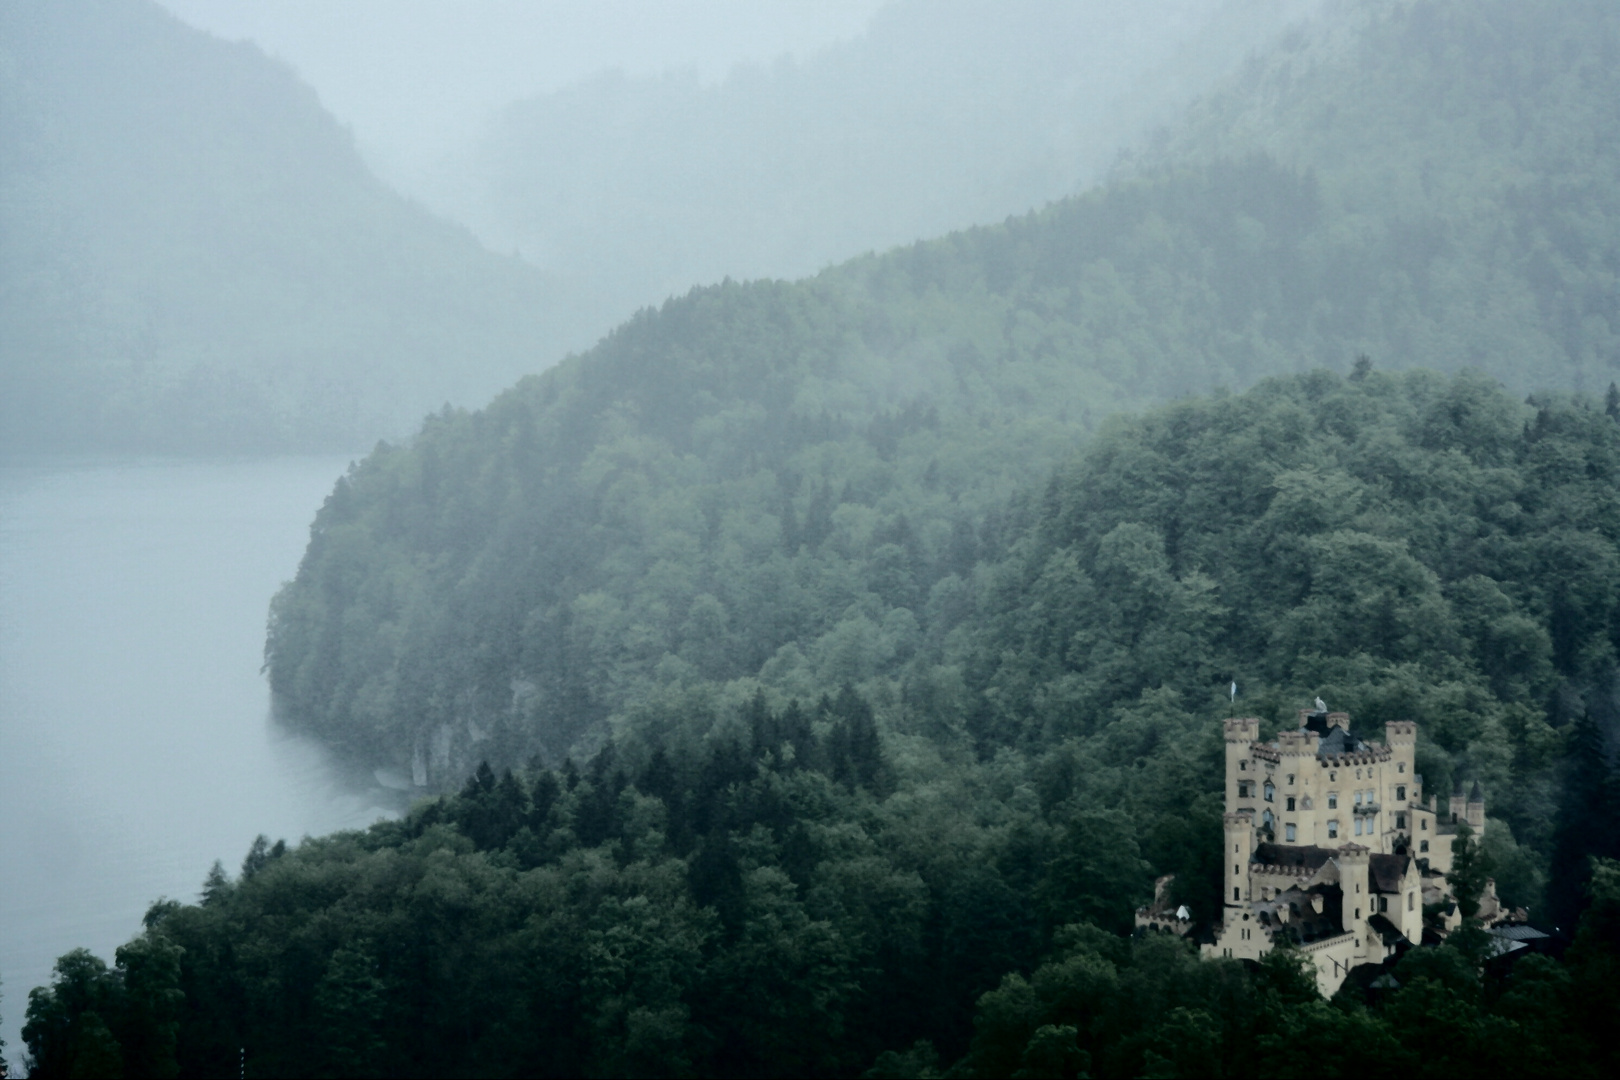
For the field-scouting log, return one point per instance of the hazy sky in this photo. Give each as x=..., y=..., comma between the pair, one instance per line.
x=409, y=75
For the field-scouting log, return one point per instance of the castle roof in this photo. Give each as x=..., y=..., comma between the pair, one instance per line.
x=1342, y=741
x=1386, y=872
x=1477, y=795
x=1301, y=855
x=1385, y=929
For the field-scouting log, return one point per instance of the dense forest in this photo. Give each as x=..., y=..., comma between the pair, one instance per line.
x=813, y=677
x=941, y=874
x=786, y=484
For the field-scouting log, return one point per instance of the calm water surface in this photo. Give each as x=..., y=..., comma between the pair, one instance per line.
x=135, y=742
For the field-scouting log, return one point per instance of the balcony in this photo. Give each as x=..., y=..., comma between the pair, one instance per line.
x=1369, y=809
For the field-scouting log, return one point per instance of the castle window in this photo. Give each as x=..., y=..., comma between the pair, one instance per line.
x=1400, y=821
x=1358, y=798
x=1423, y=823
x=1423, y=846
x=1400, y=766
x=1333, y=800
x=1358, y=774
x=1383, y=903
x=1333, y=774
x=1290, y=802
x=1358, y=826
x=1289, y=832
x=1411, y=901
x=1243, y=766
x=1268, y=821
x=1333, y=830
x=1270, y=791
x=1290, y=779
x=1400, y=793
x=1234, y=899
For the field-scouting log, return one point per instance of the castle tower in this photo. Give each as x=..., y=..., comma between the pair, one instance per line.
x=1241, y=735
x=1458, y=807
x=1474, y=811
x=1401, y=738
x=1297, y=792
x=1353, y=879
x=1239, y=851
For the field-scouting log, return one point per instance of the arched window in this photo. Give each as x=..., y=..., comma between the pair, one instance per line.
x=1271, y=792
x=1267, y=820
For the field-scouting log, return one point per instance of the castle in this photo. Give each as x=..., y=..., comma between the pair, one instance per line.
x=1331, y=845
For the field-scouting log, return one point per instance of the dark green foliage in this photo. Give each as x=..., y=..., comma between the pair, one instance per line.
x=795, y=486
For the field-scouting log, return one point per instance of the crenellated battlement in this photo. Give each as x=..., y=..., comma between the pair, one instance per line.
x=1326, y=827
x=1241, y=729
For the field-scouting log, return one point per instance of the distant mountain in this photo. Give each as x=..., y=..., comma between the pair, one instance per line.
x=791, y=486
x=942, y=115
x=193, y=256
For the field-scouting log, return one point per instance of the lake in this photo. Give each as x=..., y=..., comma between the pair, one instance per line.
x=135, y=740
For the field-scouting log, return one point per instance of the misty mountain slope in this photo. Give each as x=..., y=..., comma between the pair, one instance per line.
x=195, y=258
x=940, y=116
x=794, y=486
x=1474, y=145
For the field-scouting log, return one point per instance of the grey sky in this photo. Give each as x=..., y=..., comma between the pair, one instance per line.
x=410, y=75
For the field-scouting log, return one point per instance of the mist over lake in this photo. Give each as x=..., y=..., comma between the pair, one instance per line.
x=135, y=742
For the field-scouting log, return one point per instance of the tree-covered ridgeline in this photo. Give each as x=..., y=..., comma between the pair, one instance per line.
x=902, y=874
x=785, y=899
x=791, y=485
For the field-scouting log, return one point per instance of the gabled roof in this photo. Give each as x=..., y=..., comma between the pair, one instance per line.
x=1386, y=930
x=1301, y=855
x=1516, y=933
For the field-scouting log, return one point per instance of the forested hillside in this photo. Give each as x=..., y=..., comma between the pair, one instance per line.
x=194, y=258
x=939, y=869
x=794, y=486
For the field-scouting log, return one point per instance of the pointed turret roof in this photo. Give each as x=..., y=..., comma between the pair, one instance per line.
x=1477, y=795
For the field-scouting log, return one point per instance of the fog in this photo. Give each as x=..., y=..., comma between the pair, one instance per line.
x=293, y=228
x=135, y=740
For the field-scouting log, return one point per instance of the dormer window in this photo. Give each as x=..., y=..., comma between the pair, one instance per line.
x=1270, y=792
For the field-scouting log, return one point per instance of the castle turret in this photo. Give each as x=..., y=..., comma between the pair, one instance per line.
x=1353, y=863
x=1241, y=735
x=1239, y=851
x=1474, y=811
x=1401, y=738
x=1458, y=807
